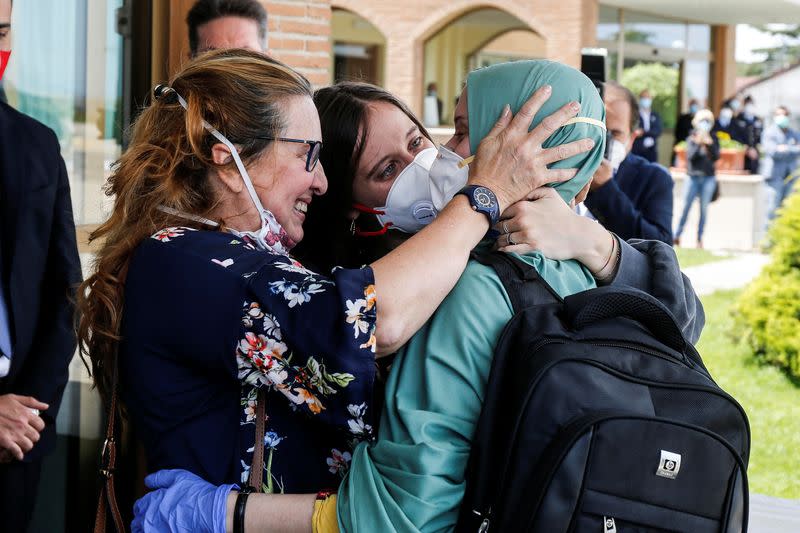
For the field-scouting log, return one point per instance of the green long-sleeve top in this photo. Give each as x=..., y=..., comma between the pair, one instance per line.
x=412, y=477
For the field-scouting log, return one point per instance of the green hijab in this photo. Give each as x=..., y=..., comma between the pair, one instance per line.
x=490, y=89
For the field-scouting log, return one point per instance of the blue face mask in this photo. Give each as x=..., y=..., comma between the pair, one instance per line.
x=645, y=103
x=693, y=109
x=782, y=121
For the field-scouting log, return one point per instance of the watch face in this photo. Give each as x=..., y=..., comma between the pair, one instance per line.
x=483, y=197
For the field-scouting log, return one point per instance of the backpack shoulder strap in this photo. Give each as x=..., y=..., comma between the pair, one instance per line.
x=522, y=282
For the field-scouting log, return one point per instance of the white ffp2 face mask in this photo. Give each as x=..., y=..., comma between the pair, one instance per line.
x=448, y=175
x=617, y=155
x=408, y=206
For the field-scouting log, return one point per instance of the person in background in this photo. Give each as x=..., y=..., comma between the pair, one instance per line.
x=684, y=125
x=629, y=195
x=217, y=24
x=781, y=145
x=748, y=129
x=432, y=92
x=702, y=151
x=725, y=123
x=650, y=126
x=39, y=269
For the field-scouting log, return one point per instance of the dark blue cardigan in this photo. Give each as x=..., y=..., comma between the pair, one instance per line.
x=637, y=202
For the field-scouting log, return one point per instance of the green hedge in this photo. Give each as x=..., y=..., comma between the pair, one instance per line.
x=768, y=311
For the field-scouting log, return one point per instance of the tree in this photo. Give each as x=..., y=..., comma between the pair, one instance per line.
x=661, y=81
x=787, y=52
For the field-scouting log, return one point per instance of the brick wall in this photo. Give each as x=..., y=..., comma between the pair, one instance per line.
x=299, y=35
x=408, y=24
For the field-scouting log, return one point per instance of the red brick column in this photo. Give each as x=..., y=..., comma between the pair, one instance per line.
x=299, y=35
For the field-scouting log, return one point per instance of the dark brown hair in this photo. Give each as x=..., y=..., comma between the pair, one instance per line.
x=633, y=103
x=204, y=11
x=169, y=163
x=343, y=113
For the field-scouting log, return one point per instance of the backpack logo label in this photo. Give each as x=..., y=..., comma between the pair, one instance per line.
x=609, y=526
x=669, y=465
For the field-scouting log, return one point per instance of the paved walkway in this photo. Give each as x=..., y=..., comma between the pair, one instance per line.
x=727, y=274
x=767, y=514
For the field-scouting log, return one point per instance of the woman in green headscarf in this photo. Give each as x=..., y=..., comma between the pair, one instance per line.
x=411, y=477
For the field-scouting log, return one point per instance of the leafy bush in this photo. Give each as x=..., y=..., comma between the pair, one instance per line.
x=768, y=312
x=661, y=81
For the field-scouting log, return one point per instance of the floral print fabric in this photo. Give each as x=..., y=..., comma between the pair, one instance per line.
x=310, y=341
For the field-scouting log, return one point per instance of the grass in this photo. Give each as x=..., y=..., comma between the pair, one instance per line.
x=689, y=257
x=770, y=399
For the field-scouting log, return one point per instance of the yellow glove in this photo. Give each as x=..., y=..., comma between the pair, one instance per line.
x=324, y=518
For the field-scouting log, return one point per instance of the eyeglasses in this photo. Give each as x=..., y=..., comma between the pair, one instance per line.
x=314, y=148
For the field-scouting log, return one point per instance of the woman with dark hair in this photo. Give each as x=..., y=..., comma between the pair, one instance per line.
x=411, y=478
x=335, y=234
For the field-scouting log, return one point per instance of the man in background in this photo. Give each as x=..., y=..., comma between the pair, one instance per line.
x=749, y=129
x=215, y=24
x=39, y=270
x=781, y=145
x=649, y=130
x=629, y=195
x=684, y=125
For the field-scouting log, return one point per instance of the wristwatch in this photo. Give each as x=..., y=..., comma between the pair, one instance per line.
x=482, y=200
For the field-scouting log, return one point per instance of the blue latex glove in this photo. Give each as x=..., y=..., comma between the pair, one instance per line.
x=180, y=502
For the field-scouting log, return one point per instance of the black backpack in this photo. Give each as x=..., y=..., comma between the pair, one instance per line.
x=600, y=417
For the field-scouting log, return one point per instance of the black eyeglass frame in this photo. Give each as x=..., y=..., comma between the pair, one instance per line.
x=314, y=149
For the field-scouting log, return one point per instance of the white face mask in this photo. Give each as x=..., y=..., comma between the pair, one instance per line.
x=271, y=236
x=618, y=154
x=725, y=116
x=407, y=208
x=750, y=110
x=448, y=175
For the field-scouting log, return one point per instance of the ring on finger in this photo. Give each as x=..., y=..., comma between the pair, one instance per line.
x=36, y=412
x=505, y=227
x=511, y=242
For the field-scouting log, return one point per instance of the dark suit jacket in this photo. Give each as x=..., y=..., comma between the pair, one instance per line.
x=651, y=154
x=637, y=202
x=41, y=266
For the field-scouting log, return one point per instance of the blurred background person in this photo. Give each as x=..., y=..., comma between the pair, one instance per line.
x=748, y=129
x=781, y=145
x=684, y=125
x=650, y=126
x=432, y=112
x=725, y=123
x=217, y=24
x=629, y=195
x=39, y=268
x=702, y=151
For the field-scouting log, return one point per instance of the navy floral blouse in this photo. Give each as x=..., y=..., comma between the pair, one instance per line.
x=208, y=320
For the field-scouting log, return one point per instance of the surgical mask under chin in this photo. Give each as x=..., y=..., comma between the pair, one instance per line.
x=408, y=206
x=618, y=154
x=270, y=236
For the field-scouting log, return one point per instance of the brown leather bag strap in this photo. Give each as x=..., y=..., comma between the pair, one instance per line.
x=108, y=460
x=257, y=468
